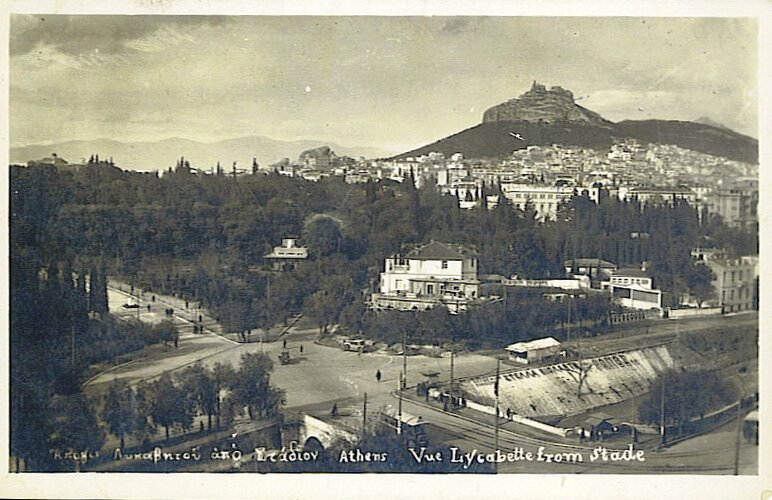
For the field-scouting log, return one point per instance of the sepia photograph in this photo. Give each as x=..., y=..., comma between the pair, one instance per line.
x=374, y=245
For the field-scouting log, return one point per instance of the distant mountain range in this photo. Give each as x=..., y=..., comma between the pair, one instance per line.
x=162, y=154
x=544, y=116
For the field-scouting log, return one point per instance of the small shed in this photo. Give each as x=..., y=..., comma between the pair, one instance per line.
x=534, y=350
x=751, y=427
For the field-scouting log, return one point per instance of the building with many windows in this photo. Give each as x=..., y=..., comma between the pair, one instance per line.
x=545, y=199
x=430, y=275
x=735, y=279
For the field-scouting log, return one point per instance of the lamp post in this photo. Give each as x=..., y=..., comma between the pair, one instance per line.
x=739, y=425
x=632, y=421
x=662, y=414
x=403, y=380
x=452, y=401
x=496, y=412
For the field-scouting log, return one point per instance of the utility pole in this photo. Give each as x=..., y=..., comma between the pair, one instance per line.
x=496, y=411
x=399, y=411
x=403, y=382
x=739, y=426
x=452, y=401
x=632, y=421
x=662, y=414
x=364, y=418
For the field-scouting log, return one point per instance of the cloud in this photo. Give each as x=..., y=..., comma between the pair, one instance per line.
x=77, y=35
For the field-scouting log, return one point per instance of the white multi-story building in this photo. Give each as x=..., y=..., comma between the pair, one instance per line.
x=436, y=273
x=662, y=195
x=545, y=199
x=735, y=279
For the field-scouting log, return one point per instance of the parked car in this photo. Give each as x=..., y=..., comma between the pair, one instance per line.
x=353, y=345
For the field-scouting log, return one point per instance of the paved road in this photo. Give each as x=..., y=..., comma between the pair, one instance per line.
x=321, y=376
x=191, y=347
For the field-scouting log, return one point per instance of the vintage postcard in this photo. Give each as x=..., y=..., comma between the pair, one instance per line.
x=384, y=248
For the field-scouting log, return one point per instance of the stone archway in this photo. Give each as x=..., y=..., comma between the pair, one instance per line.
x=313, y=444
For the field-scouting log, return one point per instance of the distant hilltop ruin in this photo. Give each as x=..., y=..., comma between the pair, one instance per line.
x=541, y=104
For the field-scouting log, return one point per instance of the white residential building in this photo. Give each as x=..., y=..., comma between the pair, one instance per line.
x=545, y=199
x=286, y=256
x=436, y=273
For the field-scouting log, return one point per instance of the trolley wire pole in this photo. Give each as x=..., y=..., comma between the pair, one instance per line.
x=364, y=418
x=496, y=412
x=399, y=407
x=452, y=401
x=403, y=379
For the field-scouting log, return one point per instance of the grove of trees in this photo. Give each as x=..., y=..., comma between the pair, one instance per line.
x=204, y=238
x=687, y=395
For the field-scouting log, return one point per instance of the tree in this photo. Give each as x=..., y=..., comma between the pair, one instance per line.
x=699, y=281
x=201, y=388
x=223, y=377
x=251, y=387
x=171, y=405
x=687, y=394
x=118, y=411
x=322, y=235
x=75, y=427
x=166, y=331
x=578, y=370
x=143, y=401
x=321, y=308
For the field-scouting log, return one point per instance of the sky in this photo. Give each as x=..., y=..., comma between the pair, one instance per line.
x=388, y=82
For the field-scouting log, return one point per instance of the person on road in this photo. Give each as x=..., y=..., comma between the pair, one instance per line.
x=334, y=411
x=378, y=375
x=301, y=348
x=285, y=343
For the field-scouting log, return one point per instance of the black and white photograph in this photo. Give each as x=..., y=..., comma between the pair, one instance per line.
x=290, y=245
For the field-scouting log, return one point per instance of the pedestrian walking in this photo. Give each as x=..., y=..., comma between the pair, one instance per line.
x=301, y=348
x=378, y=375
x=334, y=411
x=285, y=343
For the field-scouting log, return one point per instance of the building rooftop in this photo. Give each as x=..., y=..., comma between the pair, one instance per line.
x=631, y=272
x=440, y=251
x=604, y=264
x=533, y=344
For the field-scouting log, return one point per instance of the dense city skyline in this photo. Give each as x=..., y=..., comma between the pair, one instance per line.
x=386, y=82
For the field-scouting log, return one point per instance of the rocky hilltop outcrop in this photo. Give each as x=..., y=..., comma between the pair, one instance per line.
x=322, y=152
x=545, y=116
x=540, y=104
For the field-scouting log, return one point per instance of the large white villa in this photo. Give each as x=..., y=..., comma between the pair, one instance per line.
x=436, y=273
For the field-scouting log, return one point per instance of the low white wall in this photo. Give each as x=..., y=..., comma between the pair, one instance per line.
x=685, y=313
x=557, y=431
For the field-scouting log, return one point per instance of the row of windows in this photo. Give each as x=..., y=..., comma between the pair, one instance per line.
x=739, y=275
x=741, y=293
x=629, y=281
x=541, y=207
x=541, y=196
x=739, y=307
